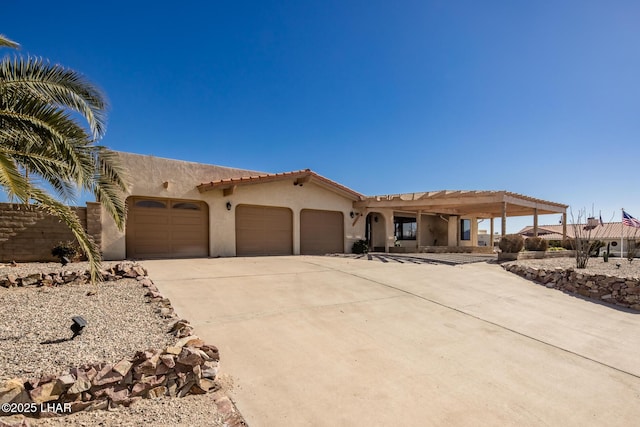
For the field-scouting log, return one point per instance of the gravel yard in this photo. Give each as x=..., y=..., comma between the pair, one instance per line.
x=34, y=341
x=35, y=328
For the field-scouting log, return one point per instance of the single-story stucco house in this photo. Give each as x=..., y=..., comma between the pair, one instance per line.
x=185, y=209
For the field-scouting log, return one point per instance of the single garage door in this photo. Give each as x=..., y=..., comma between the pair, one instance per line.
x=166, y=228
x=263, y=230
x=321, y=232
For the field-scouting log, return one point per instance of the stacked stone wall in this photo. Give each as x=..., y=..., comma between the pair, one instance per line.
x=622, y=291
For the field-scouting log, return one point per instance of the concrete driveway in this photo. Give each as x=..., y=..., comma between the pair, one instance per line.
x=344, y=342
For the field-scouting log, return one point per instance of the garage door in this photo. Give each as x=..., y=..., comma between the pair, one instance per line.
x=263, y=230
x=321, y=232
x=166, y=228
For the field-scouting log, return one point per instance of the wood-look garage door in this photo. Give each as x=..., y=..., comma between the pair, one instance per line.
x=321, y=232
x=263, y=230
x=166, y=228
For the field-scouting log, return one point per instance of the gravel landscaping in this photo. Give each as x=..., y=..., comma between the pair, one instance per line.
x=35, y=330
x=35, y=341
x=594, y=266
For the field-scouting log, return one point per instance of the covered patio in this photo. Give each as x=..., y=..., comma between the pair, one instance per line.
x=446, y=221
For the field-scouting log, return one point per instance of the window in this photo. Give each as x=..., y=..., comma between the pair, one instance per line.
x=150, y=204
x=405, y=228
x=186, y=205
x=465, y=229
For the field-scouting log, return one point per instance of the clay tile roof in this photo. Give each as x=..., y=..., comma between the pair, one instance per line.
x=610, y=230
x=302, y=176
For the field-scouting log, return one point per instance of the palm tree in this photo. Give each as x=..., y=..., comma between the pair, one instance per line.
x=43, y=142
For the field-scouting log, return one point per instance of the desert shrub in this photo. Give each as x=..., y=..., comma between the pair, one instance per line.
x=360, y=247
x=66, y=249
x=511, y=243
x=535, y=244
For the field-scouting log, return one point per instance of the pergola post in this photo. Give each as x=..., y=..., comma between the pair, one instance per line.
x=504, y=218
x=564, y=226
x=535, y=222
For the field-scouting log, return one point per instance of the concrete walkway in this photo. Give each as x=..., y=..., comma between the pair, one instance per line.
x=315, y=341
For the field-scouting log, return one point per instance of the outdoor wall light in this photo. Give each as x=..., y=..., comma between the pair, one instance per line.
x=228, y=206
x=352, y=214
x=78, y=325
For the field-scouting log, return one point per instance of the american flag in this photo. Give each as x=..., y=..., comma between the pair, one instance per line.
x=629, y=220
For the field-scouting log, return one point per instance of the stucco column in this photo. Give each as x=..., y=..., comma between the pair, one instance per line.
x=491, y=233
x=504, y=218
x=452, y=229
x=390, y=232
x=535, y=222
x=418, y=229
x=564, y=226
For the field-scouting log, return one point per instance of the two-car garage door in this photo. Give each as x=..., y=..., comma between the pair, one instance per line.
x=268, y=230
x=166, y=228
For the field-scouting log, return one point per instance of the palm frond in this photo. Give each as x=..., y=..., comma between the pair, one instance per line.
x=56, y=85
x=14, y=183
x=5, y=42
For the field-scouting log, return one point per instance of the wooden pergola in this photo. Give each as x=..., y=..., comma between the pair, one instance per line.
x=480, y=204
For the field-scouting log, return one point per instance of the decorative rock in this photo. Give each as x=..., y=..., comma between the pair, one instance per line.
x=123, y=367
x=173, y=350
x=168, y=360
x=157, y=392
x=211, y=351
x=13, y=391
x=44, y=393
x=107, y=376
x=139, y=388
x=118, y=394
x=190, y=341
x=81, y=384
x=205, y=384
x=188, y=356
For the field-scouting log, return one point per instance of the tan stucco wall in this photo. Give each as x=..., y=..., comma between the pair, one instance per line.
x=280, y=194
x=434, y=231
x=149, y=173
x=382, y=231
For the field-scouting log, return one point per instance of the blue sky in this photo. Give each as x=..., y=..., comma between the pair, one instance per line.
x=540, y=98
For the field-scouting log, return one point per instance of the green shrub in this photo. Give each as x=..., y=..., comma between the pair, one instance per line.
x=511, y=243
x=535, y=244
x=555, y=244
x=360, y=247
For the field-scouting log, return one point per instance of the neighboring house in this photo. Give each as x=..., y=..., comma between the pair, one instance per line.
x=184, y=209
x=613, y=233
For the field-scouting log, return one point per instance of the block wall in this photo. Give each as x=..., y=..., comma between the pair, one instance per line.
x=27, y=234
